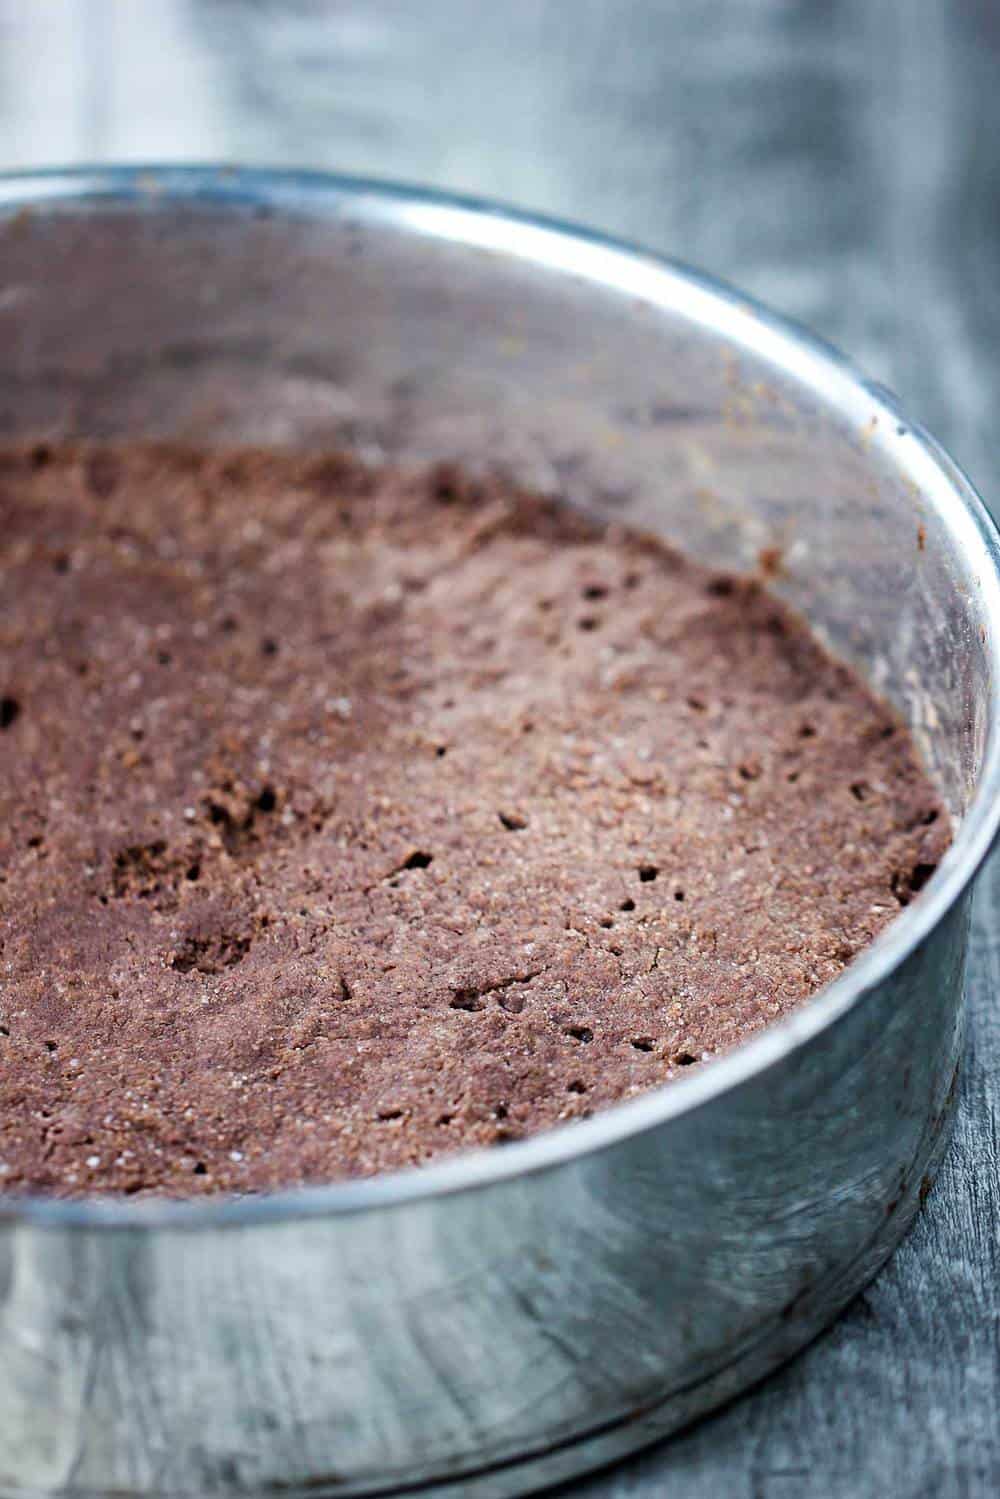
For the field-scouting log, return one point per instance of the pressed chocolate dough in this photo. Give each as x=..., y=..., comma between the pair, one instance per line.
x=353, y=817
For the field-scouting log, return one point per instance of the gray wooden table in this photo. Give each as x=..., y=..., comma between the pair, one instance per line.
x=839, y=158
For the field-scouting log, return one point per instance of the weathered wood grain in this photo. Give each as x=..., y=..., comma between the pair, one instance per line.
x=840, y=158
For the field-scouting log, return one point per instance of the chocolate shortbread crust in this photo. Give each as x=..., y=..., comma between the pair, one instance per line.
x=352, y=817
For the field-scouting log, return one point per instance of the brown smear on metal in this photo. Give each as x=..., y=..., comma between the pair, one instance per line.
x=770, y=561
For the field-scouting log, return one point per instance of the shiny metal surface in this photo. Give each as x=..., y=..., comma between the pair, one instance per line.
x=508, y=1319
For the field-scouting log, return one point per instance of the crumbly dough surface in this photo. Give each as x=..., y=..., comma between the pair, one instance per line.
x=351, y=818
